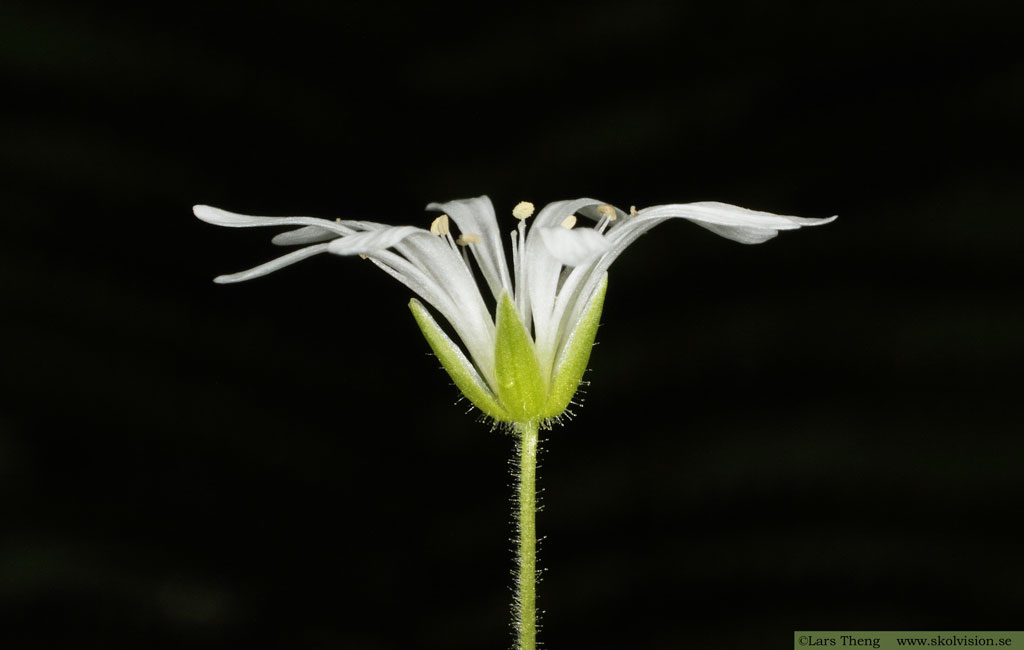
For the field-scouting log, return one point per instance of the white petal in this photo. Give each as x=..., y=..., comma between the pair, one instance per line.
x=408, y=274
x=363, y=243
x=542, y=271
x=554, y=213
x=729, y=221
x=744, y=235
x=304, y=235
x=428, y=265
x=476, y=216
x=425, y=264
x=273, y=265
x=219, y=217
x=573, y=247
x=436, y=273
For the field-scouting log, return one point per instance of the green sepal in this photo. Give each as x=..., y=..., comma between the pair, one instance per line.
x=521, y=387
x=572, y=363
x=455, y=363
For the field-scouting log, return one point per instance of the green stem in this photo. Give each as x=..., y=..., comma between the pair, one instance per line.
x=526, y=599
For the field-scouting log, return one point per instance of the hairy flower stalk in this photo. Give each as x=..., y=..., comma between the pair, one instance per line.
x=525, y=605
x=522, y=364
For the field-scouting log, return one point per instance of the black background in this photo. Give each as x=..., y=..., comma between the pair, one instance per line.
x=821, y=432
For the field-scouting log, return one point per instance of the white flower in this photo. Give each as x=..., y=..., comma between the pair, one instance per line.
x=510, y=371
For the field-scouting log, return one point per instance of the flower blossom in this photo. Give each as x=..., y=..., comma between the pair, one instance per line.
x=523, y=360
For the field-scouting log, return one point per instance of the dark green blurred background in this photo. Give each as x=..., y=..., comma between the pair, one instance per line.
x=822, y=432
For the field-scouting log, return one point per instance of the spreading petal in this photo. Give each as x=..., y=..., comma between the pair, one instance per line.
x=273, y=265
x=729, y=221
x=219, y=217
x=424, y=264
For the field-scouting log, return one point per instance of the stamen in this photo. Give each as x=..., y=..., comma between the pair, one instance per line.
x=607, y=216
x=523, y=210
x=516, y=262
x=569, y=222
x=515, y=255
x=440, y=226
x=632, y=211
x=467, y=238
x=363, y=257
x=521, y=294
x=607, y=211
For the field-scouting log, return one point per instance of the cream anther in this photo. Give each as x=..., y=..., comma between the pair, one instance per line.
x=523, y=210
x=632, y=211
x=569, y=222
x=440, y=226
x=467, y=238
x=607, y=211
